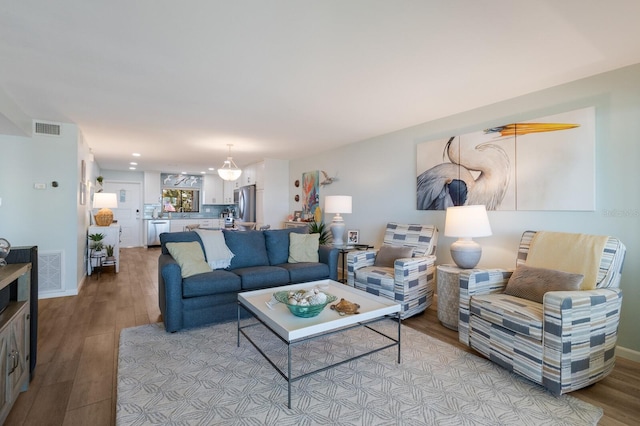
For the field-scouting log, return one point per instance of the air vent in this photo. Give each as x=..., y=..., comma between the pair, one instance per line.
x=47, y=129
x=50, y=271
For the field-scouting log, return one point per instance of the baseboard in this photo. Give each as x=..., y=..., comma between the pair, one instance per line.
x=52, y=294
x=629, y=354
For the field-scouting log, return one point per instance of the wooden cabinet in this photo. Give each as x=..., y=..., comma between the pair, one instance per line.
x=152, y=188
x=14, y=336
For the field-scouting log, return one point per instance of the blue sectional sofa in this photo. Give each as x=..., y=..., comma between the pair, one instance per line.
x=260, y=261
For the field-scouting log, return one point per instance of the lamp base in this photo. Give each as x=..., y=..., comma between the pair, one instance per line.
x=104, y=217
x=466, y=253
x=337, y=230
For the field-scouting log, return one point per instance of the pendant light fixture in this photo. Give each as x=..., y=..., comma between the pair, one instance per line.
x=229, y=170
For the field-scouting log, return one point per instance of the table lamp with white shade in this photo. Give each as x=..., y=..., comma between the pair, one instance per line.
x=466, y=222
x=337, y=204
x=105, y=201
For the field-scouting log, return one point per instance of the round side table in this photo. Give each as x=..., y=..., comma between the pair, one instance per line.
x=448, y=295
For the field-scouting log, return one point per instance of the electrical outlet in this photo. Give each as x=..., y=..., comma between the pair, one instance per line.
x=40, y=185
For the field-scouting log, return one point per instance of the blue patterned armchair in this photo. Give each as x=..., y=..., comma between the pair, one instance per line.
x=566, y=342
x=408, y=280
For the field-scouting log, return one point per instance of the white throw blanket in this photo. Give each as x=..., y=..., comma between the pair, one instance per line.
x=215, y=249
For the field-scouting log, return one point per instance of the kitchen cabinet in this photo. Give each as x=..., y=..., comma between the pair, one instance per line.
x=212, y=190
x=178, y=225
x=228, y=187
x=14, y=337
x=152, y=188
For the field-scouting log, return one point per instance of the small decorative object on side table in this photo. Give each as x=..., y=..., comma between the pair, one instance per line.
x=448, y=295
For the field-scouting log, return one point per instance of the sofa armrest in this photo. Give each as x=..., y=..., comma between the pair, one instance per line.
x=357, y=260
x=474, y=282
x=579, y=337
x=329, y=256
x=170, y=292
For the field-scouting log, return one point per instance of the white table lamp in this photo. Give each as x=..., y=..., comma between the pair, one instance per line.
x=104, y=201
x=337, y=204
x=466, y=222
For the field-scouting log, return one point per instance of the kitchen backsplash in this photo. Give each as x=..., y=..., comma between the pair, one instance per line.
x=206, y=211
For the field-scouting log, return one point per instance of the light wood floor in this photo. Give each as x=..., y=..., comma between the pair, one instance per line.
x=75, y=380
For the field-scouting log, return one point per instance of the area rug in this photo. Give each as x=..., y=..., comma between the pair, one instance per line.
x=201, y=377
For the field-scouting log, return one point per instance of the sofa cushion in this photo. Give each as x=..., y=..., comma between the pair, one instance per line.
x=177, y=237
x=387, y=255
x=532, y=283
x=256, y=277
x=190, y=257
x=303, y=247
x=519, y=315
x=277, y=241
x=306, y=271
x=213, y=282
x=248, y=247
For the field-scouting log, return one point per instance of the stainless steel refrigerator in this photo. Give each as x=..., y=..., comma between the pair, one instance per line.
x=245, y=198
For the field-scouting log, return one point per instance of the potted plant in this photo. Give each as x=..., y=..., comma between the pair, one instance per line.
x=96, y=242
x=99, y=180
x=110, y=256
x=323, y=230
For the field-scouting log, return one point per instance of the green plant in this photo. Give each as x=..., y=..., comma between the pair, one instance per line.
x=109, y=249
x=323, y=230
x=96, y=241
x=99, y=179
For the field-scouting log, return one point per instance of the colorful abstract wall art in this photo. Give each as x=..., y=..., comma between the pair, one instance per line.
x=310, y=193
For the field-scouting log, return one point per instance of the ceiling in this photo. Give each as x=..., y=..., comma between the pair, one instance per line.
x=176, y=81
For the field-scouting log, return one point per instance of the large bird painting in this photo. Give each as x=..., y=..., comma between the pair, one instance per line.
x=542, y=164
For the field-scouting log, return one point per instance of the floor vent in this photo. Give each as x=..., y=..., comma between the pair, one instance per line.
x=50, y=271
x=47, y=129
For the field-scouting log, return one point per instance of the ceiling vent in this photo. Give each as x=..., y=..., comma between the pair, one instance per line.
x=47, y=129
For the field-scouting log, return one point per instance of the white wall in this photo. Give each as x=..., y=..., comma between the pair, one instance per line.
x=380, y=174
x=50, y=218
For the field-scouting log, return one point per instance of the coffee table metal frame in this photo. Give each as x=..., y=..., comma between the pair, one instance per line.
x=293, y=330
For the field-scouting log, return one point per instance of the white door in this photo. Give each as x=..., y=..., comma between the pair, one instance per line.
x=129, y=211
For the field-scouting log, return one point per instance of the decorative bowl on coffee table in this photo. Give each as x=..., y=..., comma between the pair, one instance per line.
x=303, y=311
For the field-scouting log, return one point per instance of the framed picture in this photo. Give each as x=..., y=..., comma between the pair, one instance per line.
x=83, y=193
x=353, y=236
x=297, y=215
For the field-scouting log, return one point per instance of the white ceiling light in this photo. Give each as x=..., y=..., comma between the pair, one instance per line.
x=229, y=170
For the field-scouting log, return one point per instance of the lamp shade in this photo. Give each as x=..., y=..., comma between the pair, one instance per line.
x=337, y=204
x=103, y=200
x=229, y=170
x=467, y=222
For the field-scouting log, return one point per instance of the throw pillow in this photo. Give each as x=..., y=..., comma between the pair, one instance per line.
x=303, y=247
x=190, y=257
x=532, y=283
x=387, y=255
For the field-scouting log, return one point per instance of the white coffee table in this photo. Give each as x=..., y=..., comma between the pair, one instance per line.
x=292, y=330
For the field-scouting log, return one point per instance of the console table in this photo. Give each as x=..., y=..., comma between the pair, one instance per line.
x=14, y=336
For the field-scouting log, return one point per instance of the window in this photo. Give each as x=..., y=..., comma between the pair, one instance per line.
x=180, y=200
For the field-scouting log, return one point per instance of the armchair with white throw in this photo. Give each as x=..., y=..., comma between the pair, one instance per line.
x=403, y=269
x=554, y=319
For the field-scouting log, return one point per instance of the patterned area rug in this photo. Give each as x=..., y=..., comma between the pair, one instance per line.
x=200, y=377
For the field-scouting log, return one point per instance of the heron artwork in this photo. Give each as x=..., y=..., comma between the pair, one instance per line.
x=478, y=168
